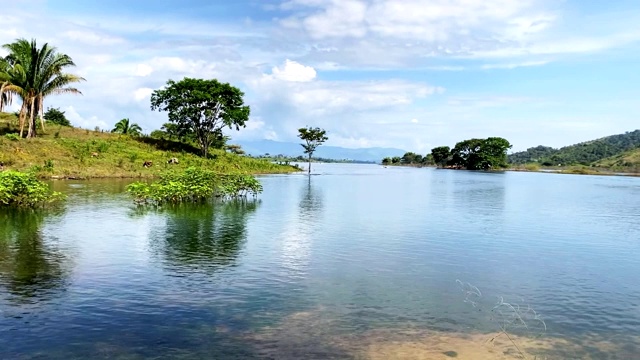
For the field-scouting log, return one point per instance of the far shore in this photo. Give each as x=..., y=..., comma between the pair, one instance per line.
x=566, y=170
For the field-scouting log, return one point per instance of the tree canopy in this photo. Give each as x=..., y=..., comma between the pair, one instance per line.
x=313, y=137
x=204, y=107
x=55, y=116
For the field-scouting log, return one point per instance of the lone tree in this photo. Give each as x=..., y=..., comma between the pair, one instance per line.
x=202, y=106
x=55, y=116
x=313, y=138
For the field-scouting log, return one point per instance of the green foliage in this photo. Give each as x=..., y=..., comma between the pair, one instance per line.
x=386, y=161
x=313, y=137
x=194, y=185
x=12, y=137
x=33, y=74
x=441, y=155
x=55, y=116
x=24, y=190
x=125, y=127
x=584, y=153
x=476, y=154
x=202, y=108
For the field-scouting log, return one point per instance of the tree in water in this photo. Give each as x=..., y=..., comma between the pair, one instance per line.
x=125, y=127
x=313, y=138
x=203, y=107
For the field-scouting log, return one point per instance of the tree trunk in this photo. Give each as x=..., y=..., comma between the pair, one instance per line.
x=41, y=111
x=23, y=115
x=309, y=163
x=32, y=120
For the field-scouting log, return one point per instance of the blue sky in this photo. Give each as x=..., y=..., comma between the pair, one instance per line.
x=412, y=74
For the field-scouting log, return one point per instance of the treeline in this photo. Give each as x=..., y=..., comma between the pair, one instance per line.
x=584, y=153
x=472, y=154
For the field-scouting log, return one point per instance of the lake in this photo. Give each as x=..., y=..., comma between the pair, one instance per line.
x=354, y=262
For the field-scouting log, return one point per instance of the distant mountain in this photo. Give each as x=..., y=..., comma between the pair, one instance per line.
x=261, y=147
x=585, y=153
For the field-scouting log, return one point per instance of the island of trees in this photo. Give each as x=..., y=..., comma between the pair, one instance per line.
x=472, y=154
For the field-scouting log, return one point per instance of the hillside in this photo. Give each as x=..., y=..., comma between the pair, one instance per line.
x=586, y=153
x=627, y=161
x=68, y=152
x=261, y=147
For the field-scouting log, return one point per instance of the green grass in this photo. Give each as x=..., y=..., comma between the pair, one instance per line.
x=628, y=161
x=66, y=152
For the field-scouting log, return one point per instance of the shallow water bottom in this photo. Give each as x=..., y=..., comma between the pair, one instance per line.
x=309, y=335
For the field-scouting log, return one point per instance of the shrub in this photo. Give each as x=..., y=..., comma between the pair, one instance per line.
x=24, y=190
x=12, y=137
x=194, y=185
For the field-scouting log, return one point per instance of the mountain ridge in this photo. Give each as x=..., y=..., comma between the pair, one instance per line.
x=272, y=147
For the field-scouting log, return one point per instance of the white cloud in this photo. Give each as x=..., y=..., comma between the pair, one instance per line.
x=142, y=94
x=79, y=121
x=515, y=65
x=415, y=121
x=143, y=70
x=293, y=71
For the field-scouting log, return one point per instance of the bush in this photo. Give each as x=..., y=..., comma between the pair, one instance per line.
x=12, y=137
x=24, y=190
x=194, y=185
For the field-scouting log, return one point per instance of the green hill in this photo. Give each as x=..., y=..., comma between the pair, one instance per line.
x=586, y=153
x=627, y=161
x=68, y=152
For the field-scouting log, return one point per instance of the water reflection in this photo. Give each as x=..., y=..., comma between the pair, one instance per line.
x=32, y=268
x=203, y=237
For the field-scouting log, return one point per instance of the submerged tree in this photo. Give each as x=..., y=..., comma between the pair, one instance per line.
x=33, y=73
x=125, y=127
x=204, y=107
x=313, y=138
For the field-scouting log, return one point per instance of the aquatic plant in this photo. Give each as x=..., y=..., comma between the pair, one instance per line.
x=194, y=185
x=510, y=317
x=19, y=189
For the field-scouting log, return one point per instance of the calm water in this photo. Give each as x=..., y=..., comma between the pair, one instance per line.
x=345, y=264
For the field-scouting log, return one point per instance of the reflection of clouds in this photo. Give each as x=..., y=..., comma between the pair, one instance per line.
x=296, y=248
x=297, y=236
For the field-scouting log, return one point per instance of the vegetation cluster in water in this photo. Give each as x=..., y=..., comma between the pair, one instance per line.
x=194, y=185
x=19, y=189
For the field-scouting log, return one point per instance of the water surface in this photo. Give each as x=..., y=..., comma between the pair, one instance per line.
x=356, y=261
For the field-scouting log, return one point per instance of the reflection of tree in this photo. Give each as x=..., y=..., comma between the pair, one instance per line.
x=205, y=236
x=310, y=202
x=29, y=266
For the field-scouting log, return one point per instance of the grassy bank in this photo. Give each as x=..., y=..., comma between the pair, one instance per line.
x=66, y=152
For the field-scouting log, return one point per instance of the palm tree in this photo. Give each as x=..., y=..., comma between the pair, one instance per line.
x=125, y=127
x=34, y=73
x=5, y=96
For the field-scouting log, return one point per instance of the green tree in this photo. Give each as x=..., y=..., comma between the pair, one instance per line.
x=408, y=158
x=440, y=155
x=34, y=73
x=55, y=116
x=236, y=149
x=313, y=138
x=125, y=127
x=466, y=154
x=202, y=106
x=386, y=161
x=5, y=96
x=493, y=153
x=396, y=160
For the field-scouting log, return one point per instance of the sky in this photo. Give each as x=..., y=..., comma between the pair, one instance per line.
x=409, y=74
